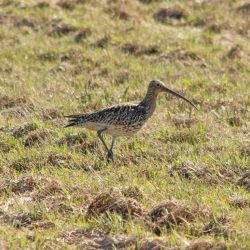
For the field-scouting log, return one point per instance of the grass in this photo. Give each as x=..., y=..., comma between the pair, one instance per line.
x=63, y=57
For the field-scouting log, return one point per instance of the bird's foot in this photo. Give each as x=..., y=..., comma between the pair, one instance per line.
x=110, y=156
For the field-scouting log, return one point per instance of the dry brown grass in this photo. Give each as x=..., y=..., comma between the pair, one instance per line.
x=172, y=213
x=114, y=202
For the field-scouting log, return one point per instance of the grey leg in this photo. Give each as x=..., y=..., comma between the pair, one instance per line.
x=112, y=143
x=110, y=152
x=99, y=134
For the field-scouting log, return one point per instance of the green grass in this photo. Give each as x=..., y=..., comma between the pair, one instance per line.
x=196, y=157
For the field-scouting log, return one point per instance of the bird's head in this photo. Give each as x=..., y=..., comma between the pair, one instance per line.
x=157, y=86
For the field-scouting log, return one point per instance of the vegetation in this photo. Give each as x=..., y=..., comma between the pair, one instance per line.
x=182, y=182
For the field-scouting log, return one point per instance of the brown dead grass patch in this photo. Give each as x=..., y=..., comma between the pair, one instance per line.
x=47, y=188
x=122, y=77
x=5, y=147
x=219, y=227
x=51, y=114
x=227, y=173
x=5, y=68
x=132, y=192
x=184, y=121
x=236, y=52
x=19, y=111
x=164, y=15
x=183, y=136
x=36, y=137
x=72, y=140
x=245, y=149
x=24, y=130
x=82, y=34
x=86, y=146
x=244, y=9
x=79, y=142
x=20, y=219
x=114, y=202
x=42, y=5
x=123, y=15
x=102, y=42
x=61, y=29
x=57, y=204
x=138, y=50
x=235, y=120
x=64, y=160
x=172, y=213
x=239, y=201
x=66, y=4
x=94, y=239
x=48, y=56
x=23, y=184
x=148, y=1
x=245, y=181
x=38, y=188
x=152, y=244
x=28, y=22
x=7, y=102
x=58, y=159
x=75, y=236
x=181, y=55
x=192, y=171
x=28, y=220
x=23, y=164
x=206, y=244
x=41, y=225
x=213, y=26
x=67, y=67
x=15, y=107
x=119, y=12
x=47, y=191
x=82, y=195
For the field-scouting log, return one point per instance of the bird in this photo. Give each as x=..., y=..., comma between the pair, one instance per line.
x=124, y=119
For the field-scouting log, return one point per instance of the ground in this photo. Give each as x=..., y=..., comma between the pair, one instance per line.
x=182, y=182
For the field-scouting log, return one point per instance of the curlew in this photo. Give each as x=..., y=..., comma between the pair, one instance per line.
x=122, y=119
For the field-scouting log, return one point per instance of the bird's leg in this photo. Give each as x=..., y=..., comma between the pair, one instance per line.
x=110, y=152
x=99, y=134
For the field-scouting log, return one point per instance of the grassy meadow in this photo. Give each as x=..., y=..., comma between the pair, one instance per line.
x=182, y=182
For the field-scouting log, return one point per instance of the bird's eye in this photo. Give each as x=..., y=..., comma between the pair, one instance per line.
x=158, y=85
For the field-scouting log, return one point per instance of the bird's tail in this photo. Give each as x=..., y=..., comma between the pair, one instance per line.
x=74, y=120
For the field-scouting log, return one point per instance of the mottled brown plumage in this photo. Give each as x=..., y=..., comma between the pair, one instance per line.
x=122, y=119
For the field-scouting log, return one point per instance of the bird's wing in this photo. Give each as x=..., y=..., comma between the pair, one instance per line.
x=117, y=115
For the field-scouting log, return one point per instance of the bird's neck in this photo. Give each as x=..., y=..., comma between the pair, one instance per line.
x=149, y=101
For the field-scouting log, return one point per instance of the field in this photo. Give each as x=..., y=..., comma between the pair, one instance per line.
x=182, y=182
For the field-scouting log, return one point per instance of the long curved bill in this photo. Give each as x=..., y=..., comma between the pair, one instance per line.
x=180, y=96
